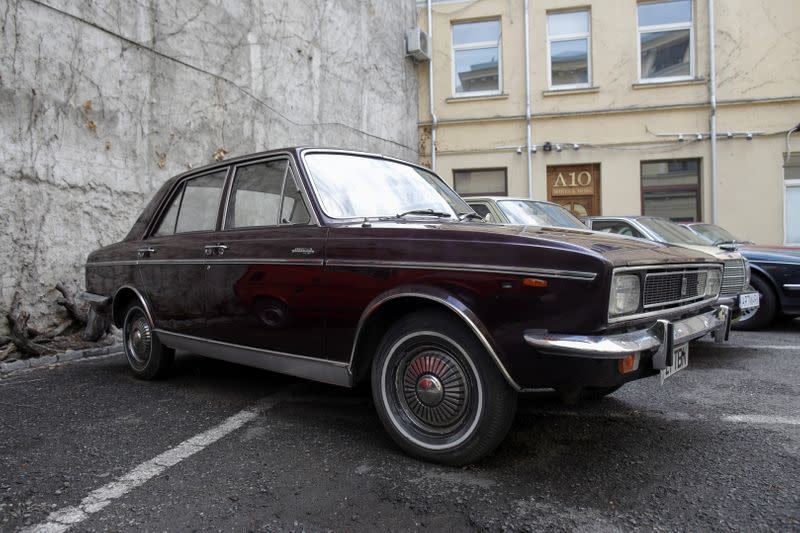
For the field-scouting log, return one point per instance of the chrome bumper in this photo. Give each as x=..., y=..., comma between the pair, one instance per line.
x=661, y=336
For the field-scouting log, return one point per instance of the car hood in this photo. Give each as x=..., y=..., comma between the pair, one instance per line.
x=718, y=253
x=780, y=254
x=616, y=249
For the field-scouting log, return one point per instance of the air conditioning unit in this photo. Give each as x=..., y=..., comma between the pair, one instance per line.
x=418, y=45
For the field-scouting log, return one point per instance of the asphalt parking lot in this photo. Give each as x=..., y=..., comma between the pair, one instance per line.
x=218, y=446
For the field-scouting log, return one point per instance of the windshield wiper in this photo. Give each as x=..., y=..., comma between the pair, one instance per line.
x=469, y=216
x=429, y=212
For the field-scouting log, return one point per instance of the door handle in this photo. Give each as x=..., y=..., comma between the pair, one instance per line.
x=145, y=252
x=211, y=248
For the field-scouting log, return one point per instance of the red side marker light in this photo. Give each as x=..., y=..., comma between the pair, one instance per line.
x=534, y=282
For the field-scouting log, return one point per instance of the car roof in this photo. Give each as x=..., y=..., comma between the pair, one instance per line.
x=469, y=199
x=298, y=150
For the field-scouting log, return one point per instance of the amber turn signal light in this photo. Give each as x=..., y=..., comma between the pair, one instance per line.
x=628, y=364
x=534, y=282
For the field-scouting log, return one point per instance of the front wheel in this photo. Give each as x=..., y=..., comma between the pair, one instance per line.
x=147, y=357
x=438, y=393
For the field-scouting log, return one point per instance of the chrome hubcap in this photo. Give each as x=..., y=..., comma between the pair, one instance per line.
x=139, y=340
x=434, y=390
x=429, y=390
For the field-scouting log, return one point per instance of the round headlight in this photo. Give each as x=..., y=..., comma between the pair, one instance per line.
x=625, y=292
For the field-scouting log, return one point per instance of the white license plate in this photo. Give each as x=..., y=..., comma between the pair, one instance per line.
x=748, y=300
x=680, y=360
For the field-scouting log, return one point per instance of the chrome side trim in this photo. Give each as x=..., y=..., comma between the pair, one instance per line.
x=246, y=261
x=757, y=262
x=488, y=269
x=333, y=372
x=660, y=336
x=427, y=293
x=224, y=261
x=142, y=300
x=791, y=286
x=111, y=263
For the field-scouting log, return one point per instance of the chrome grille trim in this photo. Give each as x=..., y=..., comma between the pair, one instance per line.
x=663, y=289
x=733, y=278
x=670, y=307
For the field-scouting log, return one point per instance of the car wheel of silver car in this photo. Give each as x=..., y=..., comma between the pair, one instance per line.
x=438, y=393
x=147, y=357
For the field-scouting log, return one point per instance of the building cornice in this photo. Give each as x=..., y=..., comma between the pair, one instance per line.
x=619, y=110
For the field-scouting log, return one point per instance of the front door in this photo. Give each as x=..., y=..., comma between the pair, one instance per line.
x=576, y=187
x=264, y=267
x=171, y=258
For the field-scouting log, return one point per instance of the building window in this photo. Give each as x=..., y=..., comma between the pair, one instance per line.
x=477, y=66
x=481, y=182
x=666, y=40
x=568, y=46
x=671, y=189
x=791, y=175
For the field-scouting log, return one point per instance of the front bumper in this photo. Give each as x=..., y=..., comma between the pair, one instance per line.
x=659, y=338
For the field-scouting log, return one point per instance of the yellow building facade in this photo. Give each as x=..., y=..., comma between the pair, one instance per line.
x=619, y=107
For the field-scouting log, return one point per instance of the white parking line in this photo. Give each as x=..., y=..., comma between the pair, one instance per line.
x=666, y=415
x=66, y=517
x=748, y=346
x=763, y=419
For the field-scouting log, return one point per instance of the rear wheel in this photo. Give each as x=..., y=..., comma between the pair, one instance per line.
x=147, y=357
x=438, y=393
x=767, y=307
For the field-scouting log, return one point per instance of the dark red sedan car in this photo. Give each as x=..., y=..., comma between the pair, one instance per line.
x=341, y=267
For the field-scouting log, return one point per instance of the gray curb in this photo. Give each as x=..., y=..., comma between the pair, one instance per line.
x=70, y=355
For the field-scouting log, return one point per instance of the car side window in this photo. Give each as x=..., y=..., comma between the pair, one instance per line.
x=167, y=224
x=481, y=209
x=194, y=206
x=617, y=227
x=260, y=192
x=294, y=209
x=255, y=197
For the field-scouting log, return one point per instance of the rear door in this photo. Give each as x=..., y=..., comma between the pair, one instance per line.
x=171, y=259
x=264, y=274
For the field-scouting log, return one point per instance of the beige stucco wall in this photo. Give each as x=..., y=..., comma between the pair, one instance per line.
x=758, y=70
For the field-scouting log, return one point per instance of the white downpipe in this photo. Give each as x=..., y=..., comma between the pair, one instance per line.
x=434, y=120
x=712, y=83
x=528, y=102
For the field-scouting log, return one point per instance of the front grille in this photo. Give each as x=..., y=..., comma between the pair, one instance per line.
x=667, y=289
x=733, y=277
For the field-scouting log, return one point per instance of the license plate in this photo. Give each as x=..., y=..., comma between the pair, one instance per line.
x=748, y=300
x=680, y=360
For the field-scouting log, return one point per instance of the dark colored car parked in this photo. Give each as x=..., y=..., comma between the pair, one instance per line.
x=342, y=267
x=775, y=274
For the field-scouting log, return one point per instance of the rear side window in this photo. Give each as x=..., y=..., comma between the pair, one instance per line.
x=265, y=194
x=194, y=206
x=616, y=227
x=481, y=209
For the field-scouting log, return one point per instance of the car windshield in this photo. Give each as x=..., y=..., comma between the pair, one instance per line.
x=714, y=234
x=671, y=232
x=529, y=212
x=355, y=186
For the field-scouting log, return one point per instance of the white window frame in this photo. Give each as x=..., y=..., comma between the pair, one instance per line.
x=788, y=184
x=476, y=46
x=570, y=37
x=664, y=27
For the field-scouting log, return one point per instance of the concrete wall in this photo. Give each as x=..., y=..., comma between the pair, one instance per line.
x=100, y=102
